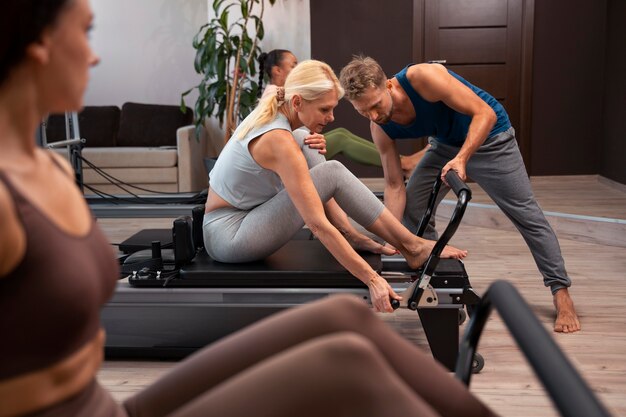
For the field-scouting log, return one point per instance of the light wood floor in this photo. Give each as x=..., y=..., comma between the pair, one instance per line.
x=506, y=384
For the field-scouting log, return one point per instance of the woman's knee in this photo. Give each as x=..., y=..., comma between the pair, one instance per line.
x=345, y=312
x=340, y=131
x=335, y=166
x=329, y=168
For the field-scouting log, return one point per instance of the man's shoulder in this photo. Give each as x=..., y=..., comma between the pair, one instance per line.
x=420, y=72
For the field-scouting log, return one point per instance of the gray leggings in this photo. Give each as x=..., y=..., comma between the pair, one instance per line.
x=498, y=168
x=233, y=235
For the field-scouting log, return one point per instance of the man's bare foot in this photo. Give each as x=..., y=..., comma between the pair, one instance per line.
x=566, y=318
x=418, y=257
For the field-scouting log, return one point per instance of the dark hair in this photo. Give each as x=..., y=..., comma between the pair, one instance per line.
x=267, y=61
x=21, y=23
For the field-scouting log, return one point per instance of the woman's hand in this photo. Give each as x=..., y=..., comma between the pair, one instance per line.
x=316, y=141
x=381, y=293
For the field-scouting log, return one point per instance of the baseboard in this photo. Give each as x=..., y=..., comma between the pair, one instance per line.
x=599, y=230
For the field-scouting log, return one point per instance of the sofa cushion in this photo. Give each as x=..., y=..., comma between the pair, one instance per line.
x=151, y=124
x=131, y=157
x=133, y=175
x=98, y=125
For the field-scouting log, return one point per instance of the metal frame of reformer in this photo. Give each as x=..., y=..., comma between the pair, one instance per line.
x=73, y=143
x=176, y=321
x=129, y=207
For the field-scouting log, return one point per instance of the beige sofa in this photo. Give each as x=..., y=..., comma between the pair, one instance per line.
x=149, y=146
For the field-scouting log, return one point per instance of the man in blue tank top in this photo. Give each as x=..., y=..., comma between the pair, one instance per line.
x=469, y=132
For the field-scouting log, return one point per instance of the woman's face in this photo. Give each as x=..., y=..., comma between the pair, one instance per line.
x=279, y=72
x=316, y=114
x=65, y=72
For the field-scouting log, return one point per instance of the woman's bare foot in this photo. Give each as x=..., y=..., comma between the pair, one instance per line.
x=416, y=258
x=566, y=317
x=409, y=162
x=370, y=245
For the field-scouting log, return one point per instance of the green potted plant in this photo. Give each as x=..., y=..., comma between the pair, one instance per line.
x=226, y=58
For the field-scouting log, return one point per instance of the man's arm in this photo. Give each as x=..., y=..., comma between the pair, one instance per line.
x=434, y=83
x=395, y=193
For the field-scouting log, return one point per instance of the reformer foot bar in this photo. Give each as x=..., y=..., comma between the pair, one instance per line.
x=170, y=309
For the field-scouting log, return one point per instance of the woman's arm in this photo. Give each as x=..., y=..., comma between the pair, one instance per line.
x=277, y=151
x=12, y=238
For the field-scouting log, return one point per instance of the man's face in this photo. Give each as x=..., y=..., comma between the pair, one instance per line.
x=375, y=104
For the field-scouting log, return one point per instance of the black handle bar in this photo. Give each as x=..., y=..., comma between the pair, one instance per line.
x=455, y=182
x=568, y=390
x=464, y=195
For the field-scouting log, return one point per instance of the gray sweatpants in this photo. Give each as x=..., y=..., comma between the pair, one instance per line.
x=497, y=166
x=234, y=235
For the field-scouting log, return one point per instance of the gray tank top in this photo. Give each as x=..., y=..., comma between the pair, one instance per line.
x=238, y=179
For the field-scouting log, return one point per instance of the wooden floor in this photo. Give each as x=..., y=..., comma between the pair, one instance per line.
x=506, y=384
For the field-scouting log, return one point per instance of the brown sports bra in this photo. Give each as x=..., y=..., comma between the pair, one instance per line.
x=50, y=302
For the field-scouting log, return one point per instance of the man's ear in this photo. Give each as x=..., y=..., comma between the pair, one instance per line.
x=388, y=84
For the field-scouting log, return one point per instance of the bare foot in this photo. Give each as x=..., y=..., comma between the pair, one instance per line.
x=371, y=245
x=566, y=318
x=418, y=257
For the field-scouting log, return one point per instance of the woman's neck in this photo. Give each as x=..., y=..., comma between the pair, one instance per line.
x=19, y=116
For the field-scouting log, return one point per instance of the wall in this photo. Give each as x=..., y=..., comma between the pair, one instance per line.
x=568, y=86
x=340, y=29
x=146, y=53
x=288, y=26
x=613, y=149
x=145, y=50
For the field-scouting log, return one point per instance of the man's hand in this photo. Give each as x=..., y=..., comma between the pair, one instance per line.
x=316, y=141
x=457, y=164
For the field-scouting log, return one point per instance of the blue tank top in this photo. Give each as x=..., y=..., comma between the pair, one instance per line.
x=440, y=121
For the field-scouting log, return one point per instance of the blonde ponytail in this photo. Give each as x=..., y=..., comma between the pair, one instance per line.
x=264, y=113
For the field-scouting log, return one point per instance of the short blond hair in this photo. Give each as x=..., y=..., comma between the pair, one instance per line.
x=360, y=74
x=309, y=79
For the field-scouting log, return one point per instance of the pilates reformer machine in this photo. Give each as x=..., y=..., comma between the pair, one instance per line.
x=175, y=301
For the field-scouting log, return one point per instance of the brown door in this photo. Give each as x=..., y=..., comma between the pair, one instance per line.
x=481, y=40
